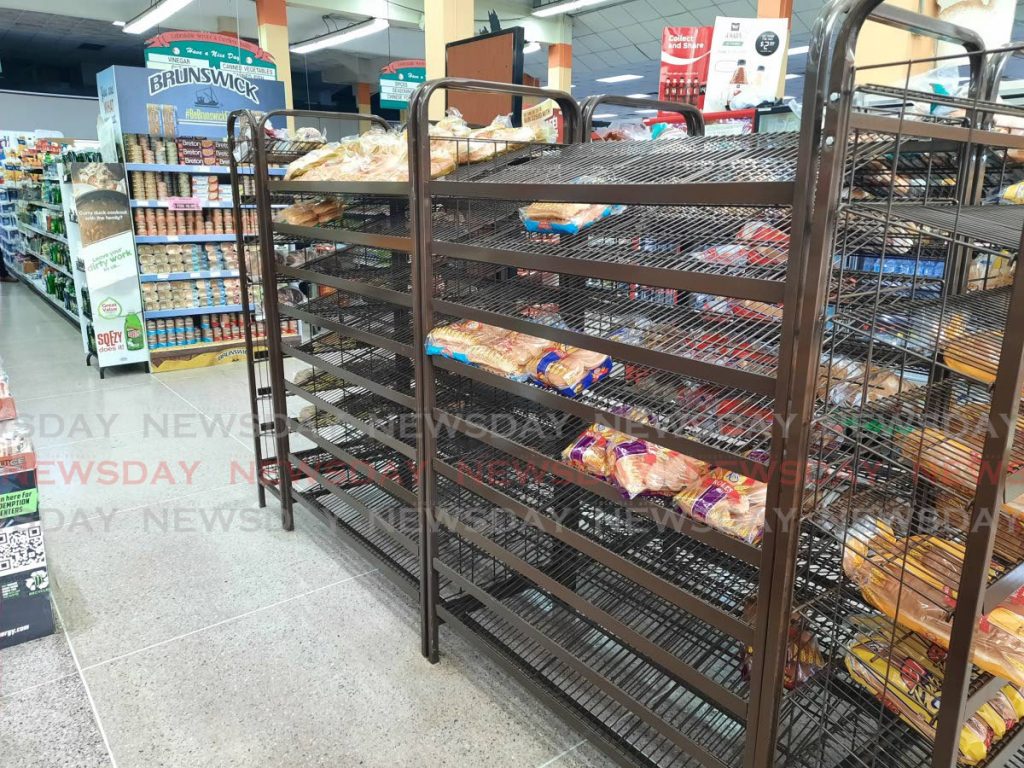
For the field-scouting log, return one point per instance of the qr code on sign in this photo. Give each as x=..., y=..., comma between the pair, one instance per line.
x=21, y=547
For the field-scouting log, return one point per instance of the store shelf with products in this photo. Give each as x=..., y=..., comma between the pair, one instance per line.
x=189, y=311
x=44, y=233
x=52, y=300
x=203, y=274
x=213, y=170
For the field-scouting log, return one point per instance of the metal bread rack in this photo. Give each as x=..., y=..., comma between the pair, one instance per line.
x=826, y=366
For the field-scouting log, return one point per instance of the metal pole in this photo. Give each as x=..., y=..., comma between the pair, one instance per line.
x=273, y=322
x=243, y=276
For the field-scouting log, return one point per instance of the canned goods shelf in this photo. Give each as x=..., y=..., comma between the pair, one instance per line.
x=212, y=170
x=153, y=314
x=206, y=346
x=200, y=275
x=161, y=239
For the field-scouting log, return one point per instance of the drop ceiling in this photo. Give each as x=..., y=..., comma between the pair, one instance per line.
x=620, y=36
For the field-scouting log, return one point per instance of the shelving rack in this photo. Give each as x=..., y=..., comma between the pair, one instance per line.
x=935, y=453
x=665, y=640
x=315, y=258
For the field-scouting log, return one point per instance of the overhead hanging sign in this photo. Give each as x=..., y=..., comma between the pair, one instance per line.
x=209, y=50
x=685, y=53
x=747, y=62
x=398, y=80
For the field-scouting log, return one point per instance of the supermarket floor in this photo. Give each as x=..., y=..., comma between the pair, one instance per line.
x=194, y=631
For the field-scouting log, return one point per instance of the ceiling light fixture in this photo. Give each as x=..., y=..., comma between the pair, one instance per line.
x=793, y=77
x=567, y=7
x=798, y=50
x=333, y=39
x=154, y=16
x=119, y=23
x=605, y=116
x=619, y=78
x=531, y=47
x=639, y=96
x=646, y=111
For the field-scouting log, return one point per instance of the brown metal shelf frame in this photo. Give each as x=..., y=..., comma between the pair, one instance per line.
x=629, y=620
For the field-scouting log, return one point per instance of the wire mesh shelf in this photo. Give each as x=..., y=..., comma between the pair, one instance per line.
x=656, y=327
x=720, y=250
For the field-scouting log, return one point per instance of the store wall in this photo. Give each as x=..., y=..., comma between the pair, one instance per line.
x=74, y=117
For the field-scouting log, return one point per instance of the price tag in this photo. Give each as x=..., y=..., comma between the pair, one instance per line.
x=173, y=239
x=215, y=273
x=195, y=274
x=163, y=276
x=184, y=204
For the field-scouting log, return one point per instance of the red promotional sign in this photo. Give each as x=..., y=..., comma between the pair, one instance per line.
x=685, y=53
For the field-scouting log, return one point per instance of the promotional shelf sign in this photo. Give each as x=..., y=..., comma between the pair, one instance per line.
x=398, y=80
x=209, y=50
x=685, y=53
x=25, y=610
x=111, y=269
x=748, y=59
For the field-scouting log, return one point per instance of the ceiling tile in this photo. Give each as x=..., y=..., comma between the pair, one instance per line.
x=641, y=33
x=737, y=8
x=641, y=10
x=686, y=19
x=652, y=49
x=632, y=54
x=598, y=22
x=613, y=38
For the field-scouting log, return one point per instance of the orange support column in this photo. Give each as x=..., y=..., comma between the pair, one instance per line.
x=363, y=104
x=272, y=18
x=777, y=9
x=560, y=66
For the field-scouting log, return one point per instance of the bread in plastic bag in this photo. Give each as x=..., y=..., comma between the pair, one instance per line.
x=727, y=501
x=570, y=371
x=803, y=655
x=565, y=218
x=910, y=582
x=641, y=467
x=589, y=452
x=909, y=682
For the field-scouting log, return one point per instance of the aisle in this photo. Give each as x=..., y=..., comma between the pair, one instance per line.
x=196, y=632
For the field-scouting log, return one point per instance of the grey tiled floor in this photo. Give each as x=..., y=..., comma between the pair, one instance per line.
x=195, y=632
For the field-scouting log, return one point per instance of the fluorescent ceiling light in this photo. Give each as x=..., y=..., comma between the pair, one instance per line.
x=639, y=96
x=155, y=15
x=605, y=116
x=333, y=39
x=800, y=49
x=646, y=111
x=793, y=77
x=618, y=78
x=531, y=47
x=567, y=7
x=120, y=23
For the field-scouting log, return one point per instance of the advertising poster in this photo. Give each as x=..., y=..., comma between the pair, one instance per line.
x=25, y=610
x=685, y=54
x=186, y=101
x=108, y=250
x=210, y=50
x=398, y=80
x=747, y=63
